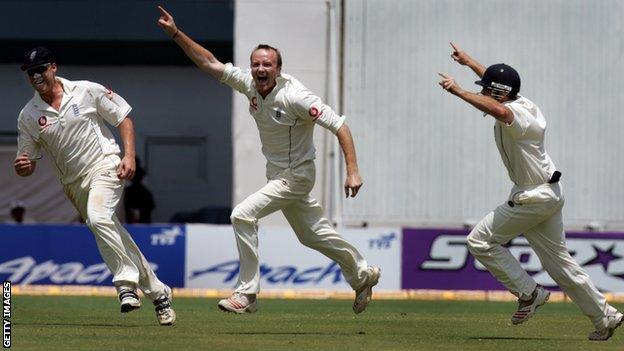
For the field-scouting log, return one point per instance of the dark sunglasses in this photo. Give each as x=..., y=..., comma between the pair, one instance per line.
x=39, y=69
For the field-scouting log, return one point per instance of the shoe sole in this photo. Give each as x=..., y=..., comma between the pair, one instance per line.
x=125, y=308
x=611, y=331
x=246, y=310
x=532, y=313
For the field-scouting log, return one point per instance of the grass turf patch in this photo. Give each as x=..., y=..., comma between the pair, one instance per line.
x=94, y=323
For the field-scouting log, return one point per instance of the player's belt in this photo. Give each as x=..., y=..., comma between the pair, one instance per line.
x=555, y=177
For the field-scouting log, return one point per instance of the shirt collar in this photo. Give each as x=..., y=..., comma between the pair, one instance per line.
x=68, y=88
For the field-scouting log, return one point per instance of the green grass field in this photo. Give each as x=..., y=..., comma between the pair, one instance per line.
x=94, y=323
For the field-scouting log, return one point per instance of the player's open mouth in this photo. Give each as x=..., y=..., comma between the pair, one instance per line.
x=262, y=80
x=38, y=81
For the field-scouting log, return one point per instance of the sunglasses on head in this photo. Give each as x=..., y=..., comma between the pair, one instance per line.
x=39, y=69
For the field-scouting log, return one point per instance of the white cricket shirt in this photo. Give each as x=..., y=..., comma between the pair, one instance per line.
x=285, y=118
x=75, y=137
x=521, y=144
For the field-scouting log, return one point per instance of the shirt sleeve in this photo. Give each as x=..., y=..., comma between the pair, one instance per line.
x=238, y=79
x=112, y=107
x=310, y=107
x=26, y=142
x=522, y=123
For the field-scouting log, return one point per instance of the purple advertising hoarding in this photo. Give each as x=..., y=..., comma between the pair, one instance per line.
x=439, y=259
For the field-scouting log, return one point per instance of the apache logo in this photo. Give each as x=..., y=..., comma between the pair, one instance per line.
x=603, y=259
x=167, y=237
x=25, y=270
x=276, y=275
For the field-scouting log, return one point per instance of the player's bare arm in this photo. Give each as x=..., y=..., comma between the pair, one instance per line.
x=203, y=58
x=484, y=103
x=24, y=166
x=461, y=57
x=127, y=167
x=353, y=183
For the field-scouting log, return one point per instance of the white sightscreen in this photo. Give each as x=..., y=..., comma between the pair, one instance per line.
x=429, y=158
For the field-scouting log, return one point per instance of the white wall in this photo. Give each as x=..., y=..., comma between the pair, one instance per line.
x=430, y=158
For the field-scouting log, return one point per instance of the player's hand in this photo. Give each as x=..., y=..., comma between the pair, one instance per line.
x=459, y=55
x=126, y=168
x=23, y=165
x=352, y=184
x=166, y=22
x=448, y=83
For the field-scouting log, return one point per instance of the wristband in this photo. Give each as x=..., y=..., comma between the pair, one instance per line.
x=176, y=33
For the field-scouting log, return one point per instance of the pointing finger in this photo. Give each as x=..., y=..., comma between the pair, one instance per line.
x=164, y=12
x=444, y=76
x=455, y=47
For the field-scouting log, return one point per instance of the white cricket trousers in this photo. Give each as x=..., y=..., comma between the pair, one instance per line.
x=537, y=214
x=96, y=196
x=288, y=190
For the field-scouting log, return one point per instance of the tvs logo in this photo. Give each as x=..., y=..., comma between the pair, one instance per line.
x=315, y=113
x=42, y=121
x=254, y=103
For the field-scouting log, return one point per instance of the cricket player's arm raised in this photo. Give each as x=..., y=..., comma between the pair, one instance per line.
x=481, y=102
x=203, y=58
x=461, y=57
x=353, y=183
x=127, y=167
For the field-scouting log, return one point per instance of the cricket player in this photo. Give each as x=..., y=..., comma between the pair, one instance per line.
x=66, y=118
x=285, y=113
x=534, y=204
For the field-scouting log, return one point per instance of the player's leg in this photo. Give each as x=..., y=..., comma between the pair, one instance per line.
x=280, y=191
x=548, y=241
x=159, y=293
x=315, y=231
x=129, y=266
x=485, y=242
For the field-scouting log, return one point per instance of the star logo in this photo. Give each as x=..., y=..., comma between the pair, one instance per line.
x=603, y=257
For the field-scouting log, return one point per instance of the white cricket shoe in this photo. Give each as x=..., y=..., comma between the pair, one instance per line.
x=164, y=312
x=239, y=303
x=604, y=334
x=526, y=309
x=129, y=300
x=364, y=294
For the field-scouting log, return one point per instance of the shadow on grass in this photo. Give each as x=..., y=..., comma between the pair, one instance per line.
x=510, y=338
x=287, y=333
x=60, y=324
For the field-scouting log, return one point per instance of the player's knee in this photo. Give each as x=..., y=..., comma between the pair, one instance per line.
x=474, y=244
x=97, y=219
x=309, y=241
x=239, y=216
